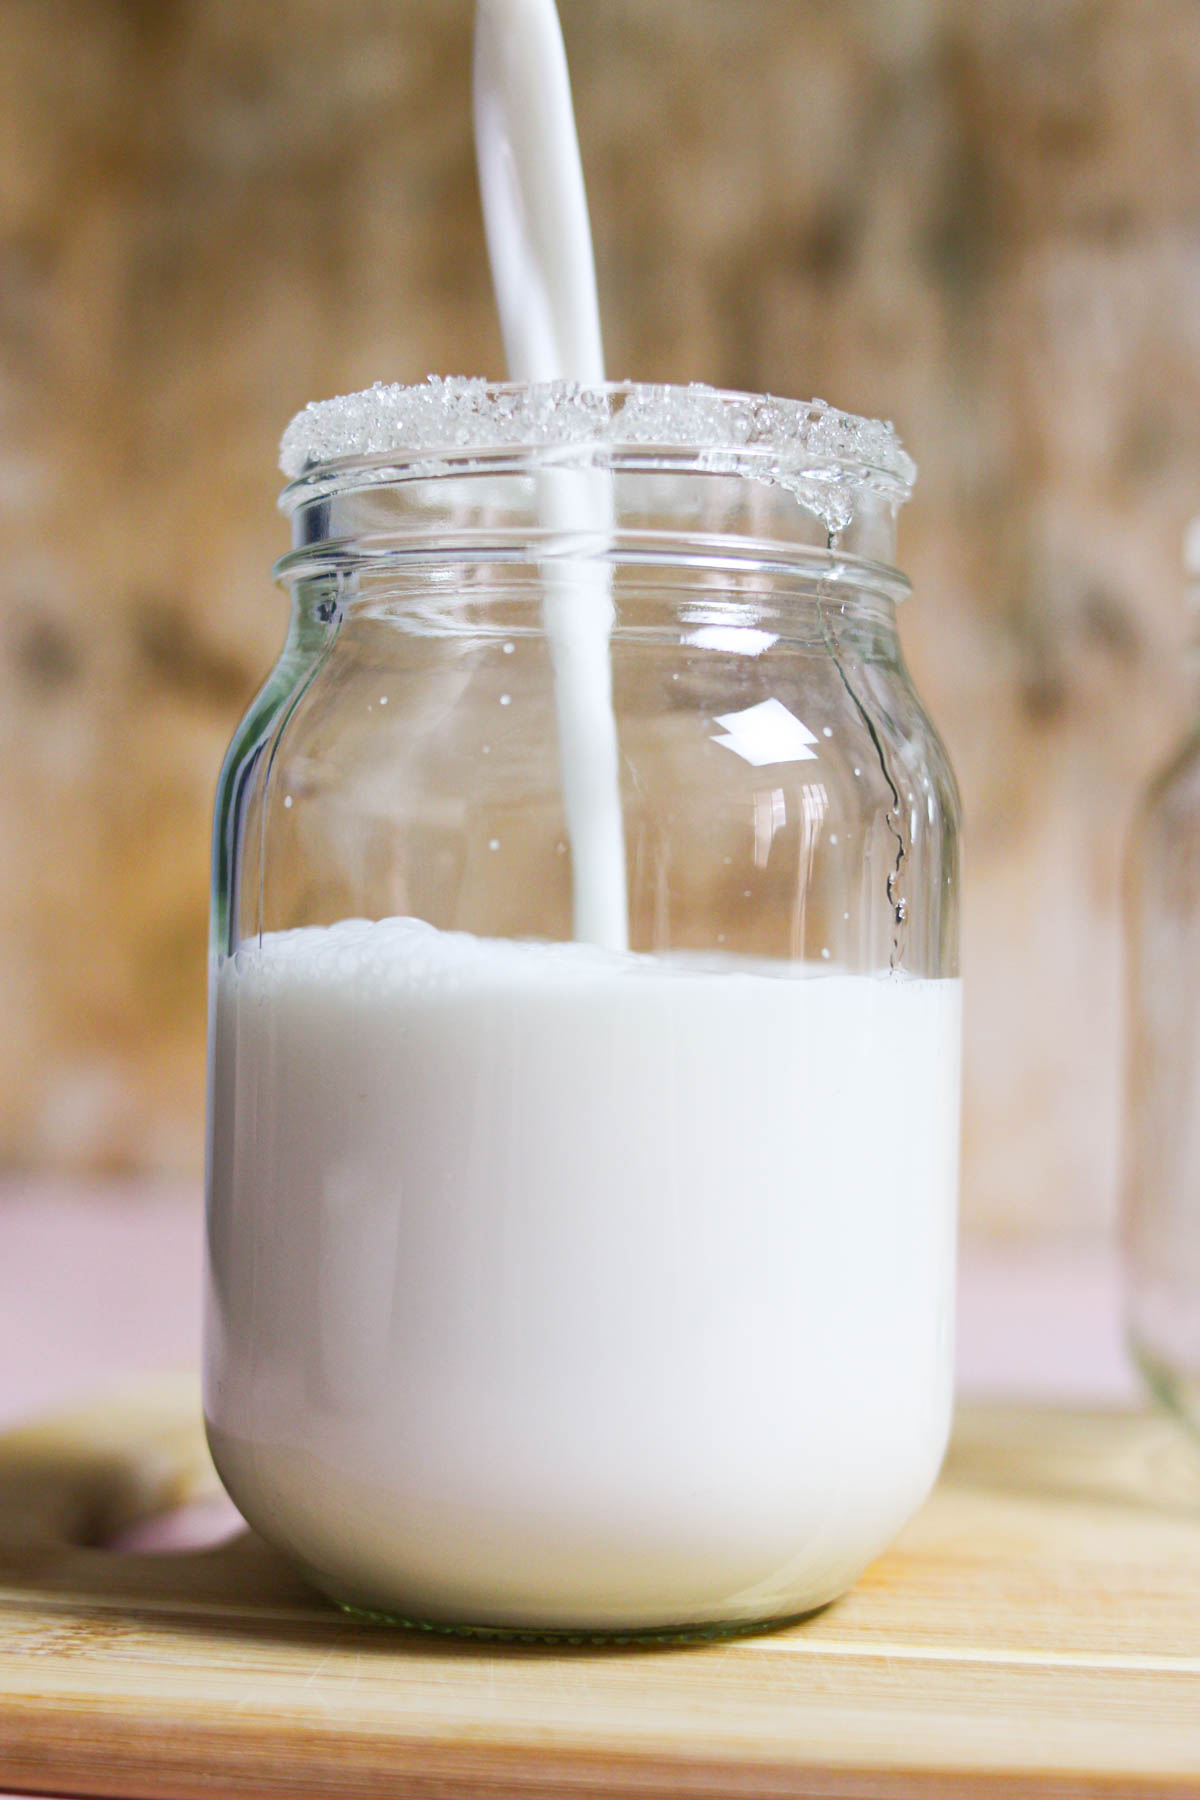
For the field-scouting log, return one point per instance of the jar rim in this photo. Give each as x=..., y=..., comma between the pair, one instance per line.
x=445, y=425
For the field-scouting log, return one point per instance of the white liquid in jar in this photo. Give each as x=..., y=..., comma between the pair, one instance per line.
x=556, y=1288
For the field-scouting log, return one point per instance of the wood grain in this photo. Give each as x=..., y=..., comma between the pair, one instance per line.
x=1035, y=1633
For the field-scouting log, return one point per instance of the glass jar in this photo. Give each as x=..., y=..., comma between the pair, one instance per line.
x=585, y=1018
x=1162, y=1174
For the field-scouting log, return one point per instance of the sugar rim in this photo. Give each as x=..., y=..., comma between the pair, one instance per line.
x=793, y=443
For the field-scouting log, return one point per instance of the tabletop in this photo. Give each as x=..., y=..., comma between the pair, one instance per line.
x=99, y=1287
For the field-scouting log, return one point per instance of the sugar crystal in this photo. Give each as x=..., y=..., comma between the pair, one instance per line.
x=810, y=449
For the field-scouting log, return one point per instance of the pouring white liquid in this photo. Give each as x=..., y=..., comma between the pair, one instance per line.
x=543, y=270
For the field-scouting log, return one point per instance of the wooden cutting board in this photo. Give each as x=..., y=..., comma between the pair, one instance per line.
x=1035, y=1632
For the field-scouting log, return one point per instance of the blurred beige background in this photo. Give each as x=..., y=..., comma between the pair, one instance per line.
x=979, y=219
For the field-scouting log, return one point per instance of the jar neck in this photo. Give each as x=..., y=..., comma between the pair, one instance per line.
x=617, y=510
x=833, y=605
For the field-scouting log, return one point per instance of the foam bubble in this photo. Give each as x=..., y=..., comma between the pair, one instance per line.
x=414, y=956
x=408, y=956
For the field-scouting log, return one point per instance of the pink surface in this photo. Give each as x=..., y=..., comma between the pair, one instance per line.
x=98, y=1283
x=1044, y=1323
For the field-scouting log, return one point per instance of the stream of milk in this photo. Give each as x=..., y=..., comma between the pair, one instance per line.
x=543, y=270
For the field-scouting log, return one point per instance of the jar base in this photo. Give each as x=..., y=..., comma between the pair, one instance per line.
x=642, y=1637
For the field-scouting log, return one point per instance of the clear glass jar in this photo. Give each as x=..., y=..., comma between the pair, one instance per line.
x=1162, y=1174
x=593, y=1286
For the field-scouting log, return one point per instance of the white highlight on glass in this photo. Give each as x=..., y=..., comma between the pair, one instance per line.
x=766, y=733
x=739, y=640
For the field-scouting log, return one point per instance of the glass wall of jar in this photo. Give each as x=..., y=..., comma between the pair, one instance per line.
x=1162, y=1175
x=605, y=1285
